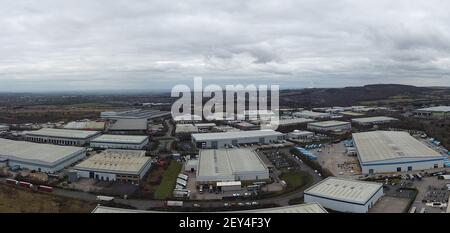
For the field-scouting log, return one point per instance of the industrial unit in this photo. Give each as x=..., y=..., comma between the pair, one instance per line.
x=394, y=151
x=61, y=136
x=311, y=115
x=113, y=141
x=4, y=128
x=438, y=112
x=294, y=121
x=224, y=139
x=115, y=165
x=344, y=195
x=373, y=120
x=39, y=157
x=330, y=126
x=230, y=165
x=301, y=135
x=134, y=120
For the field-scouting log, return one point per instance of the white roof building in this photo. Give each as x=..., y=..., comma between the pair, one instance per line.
x=325, y=126
x=119, y=141
x=373, y=120
x=63, y=133
x=344, y=195
x=222, y=139
x=113, y=164
x=230, y=165
x=311, y=114
x=39, y=157
x=392, y=151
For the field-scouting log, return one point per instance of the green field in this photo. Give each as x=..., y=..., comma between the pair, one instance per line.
x=296, y=179
x=165, y=188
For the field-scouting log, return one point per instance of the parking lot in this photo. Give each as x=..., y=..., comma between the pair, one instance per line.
x=424, y=187
x=389, y=204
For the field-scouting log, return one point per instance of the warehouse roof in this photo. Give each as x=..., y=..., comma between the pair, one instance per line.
x=436, y=109
x=294, y=121
x=346, y=190
x=35, y=152
x=388, y=145
x=328, y=123
x=123, y=139
x=63, y=133
x=85, y=125
x=186, y=128
x=300, y=208
x=235, y=135
x=117, y=161
x=374, y=119
x=227, y=162
x=135, y=114
x=307, y=113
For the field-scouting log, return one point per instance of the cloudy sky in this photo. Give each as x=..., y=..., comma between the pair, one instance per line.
x=118, y=44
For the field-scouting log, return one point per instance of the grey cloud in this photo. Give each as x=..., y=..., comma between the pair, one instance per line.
x=155, y=44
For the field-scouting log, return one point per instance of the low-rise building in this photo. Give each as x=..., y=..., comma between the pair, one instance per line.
x=373, y=120
x=344, y=195
x=438, y=112
x=224, y=139
x=230, y=165
x=330, y=126
x=62, y=136
x=112, y=141
x=301, y=135
x=312, y=115
x=115, y=165
x=39, y=157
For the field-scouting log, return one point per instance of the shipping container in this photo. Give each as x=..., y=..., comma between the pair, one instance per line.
x=44, y=188
x=25, y=184
x=12, y=182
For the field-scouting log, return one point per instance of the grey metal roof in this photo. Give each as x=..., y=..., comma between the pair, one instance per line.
x=436, y=109
x=113, y=138
x=347, y=190
x=328, y=123
x=235, y=135
x=36, y=152
x=63, y=133
x=374, y=119
x=389, y=145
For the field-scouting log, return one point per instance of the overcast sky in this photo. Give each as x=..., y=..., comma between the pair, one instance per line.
x=118, y=44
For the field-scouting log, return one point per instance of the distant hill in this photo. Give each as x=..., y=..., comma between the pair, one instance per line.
x=383, y=93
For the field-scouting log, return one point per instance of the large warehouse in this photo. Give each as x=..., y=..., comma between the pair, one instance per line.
x=438, y=112
x=112, y=165
x=344, y=195
x=39, y=157
x=61, y=136
x=373, y=120
x=119, y=141
x=394, y=151
x=223, y=139
x=230, y=165
x=134, y=120
x=330, y=126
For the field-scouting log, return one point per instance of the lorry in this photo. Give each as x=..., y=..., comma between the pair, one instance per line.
x=104, y=198
x=174, y=203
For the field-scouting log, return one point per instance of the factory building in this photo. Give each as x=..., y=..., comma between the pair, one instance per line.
x=312, y=115
x=230, y=165
x=225, y=139
x=86, y=125
x=301, y=135
x=373, y=120
x=330, y=126
x=344, y=195
x=61, y=136
x=4, y=128
x=115, y=165
x=135, y=120
x=246, y=126
x=112, y=141
x=438, y=112
x=39, y=157
x=294, y=121
x=394, y=151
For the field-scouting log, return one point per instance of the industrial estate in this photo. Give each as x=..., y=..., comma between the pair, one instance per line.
x=135, y=158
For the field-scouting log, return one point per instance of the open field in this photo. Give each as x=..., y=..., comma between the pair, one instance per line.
x=296, y=179
x=14, y=200
x=168, y=181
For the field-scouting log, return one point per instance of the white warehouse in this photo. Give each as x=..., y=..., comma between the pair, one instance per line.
x=113, y=164
x=344, y=195
x=224, y=139
x=61, y=136
x=394, y=151
x=330, y=126
x=112, y=141
x=230, y=165
x=39, y=157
